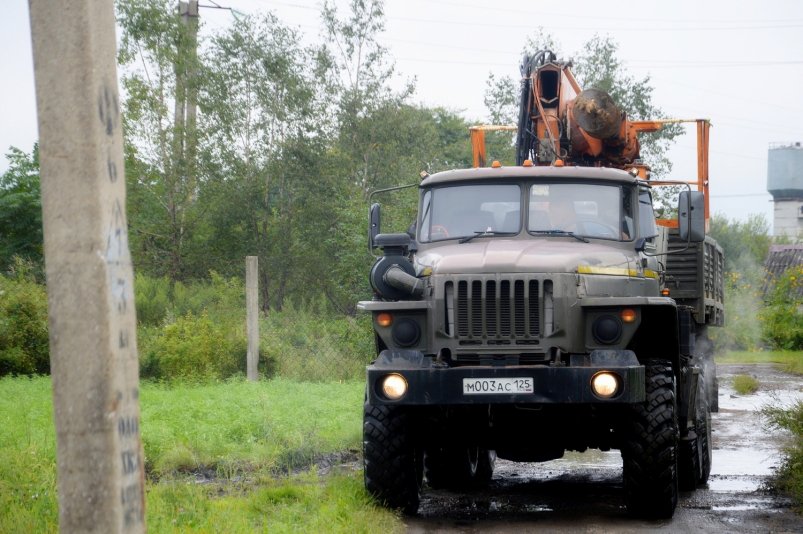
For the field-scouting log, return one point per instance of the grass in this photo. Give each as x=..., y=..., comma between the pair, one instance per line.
x=745, y=384
x=245, y=434
x=789, y=361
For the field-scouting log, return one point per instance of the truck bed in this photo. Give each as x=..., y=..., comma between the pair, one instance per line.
x=695, y=277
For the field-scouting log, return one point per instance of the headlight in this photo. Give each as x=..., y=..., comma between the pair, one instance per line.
x=605, y=384
x=394, y=386
x=406, y=332
x=607, y=329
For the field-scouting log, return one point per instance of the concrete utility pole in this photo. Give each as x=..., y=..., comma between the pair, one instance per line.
x=93, y=350
x=252, y=316
x=186, y=106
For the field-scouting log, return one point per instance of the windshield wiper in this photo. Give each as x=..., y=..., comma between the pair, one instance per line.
x=479, y=233
x=561, y=233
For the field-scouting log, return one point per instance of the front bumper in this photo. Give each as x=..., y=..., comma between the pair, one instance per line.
x=432, y=384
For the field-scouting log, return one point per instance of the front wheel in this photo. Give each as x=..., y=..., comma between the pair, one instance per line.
x=392, y=460
x=650, y=447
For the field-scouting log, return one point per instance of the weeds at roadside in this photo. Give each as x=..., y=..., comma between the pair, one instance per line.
x=789, y=478
x=745, y=384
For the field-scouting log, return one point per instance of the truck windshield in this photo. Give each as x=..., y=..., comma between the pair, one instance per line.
x=588, y=210
x=486, y=210
x=468, y=210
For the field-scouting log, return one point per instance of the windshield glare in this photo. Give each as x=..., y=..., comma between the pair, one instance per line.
x=589, y=210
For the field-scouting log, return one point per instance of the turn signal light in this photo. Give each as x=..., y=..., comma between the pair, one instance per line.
x=628, y=315
x=384, y=319
x=665, y=292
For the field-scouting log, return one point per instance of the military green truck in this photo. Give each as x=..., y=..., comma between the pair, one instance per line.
x=540, y=308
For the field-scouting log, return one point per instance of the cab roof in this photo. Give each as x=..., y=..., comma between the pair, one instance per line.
x=519, y=173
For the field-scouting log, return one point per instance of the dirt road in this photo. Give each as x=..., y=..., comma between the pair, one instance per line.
x=583, y=492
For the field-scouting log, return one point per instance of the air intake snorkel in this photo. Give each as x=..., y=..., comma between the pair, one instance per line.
x=393, y=276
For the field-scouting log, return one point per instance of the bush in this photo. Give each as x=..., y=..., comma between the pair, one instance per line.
x=24, y=345
x=790, y=475
x=782, y=319
x=192, y=348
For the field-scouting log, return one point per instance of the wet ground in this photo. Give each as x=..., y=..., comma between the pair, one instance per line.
x=583, y=492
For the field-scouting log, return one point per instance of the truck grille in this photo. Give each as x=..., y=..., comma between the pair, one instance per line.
x=495, y=310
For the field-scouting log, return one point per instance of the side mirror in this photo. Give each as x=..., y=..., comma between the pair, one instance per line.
x=691, y=216
x=375, y=218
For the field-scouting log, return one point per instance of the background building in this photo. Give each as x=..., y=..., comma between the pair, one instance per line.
x=785, y=184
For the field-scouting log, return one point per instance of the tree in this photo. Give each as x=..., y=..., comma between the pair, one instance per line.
x=154, y=47
x=745, y=245
x=360, y=72
x=261, y=114
x=21, y=209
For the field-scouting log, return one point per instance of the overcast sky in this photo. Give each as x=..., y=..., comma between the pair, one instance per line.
x=738, y=63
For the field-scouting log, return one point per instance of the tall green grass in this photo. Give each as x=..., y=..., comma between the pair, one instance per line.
x=790, y=361
x=244, y=437
x=236, y=425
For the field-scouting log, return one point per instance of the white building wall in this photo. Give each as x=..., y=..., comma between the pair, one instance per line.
x=788, y=218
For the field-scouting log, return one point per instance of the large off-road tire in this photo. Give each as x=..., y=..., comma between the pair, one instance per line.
x=391, y=458
x=694, y=464
x=704, y=354
x=704, y=436
x=458, y=467
x=650, y=447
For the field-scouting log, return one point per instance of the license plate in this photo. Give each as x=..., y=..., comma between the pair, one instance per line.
x=495, y=386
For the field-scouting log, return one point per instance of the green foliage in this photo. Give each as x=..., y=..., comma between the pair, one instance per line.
x=159, y=300
x=789, y=361
x=310, y=347
x=790, y=476
x=745, y=245
x=745, y=384
x=24, y=346
x=192, y=348
x=20, y=208
x=782, y=318
x=196, y=331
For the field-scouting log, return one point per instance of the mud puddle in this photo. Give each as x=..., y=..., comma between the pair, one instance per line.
x=583, y=492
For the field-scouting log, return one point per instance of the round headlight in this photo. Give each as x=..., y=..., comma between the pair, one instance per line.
x=394, y=386
x=607, y=329
x=406, y=332
x=605, y=384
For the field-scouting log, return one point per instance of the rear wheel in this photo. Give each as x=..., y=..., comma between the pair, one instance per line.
x=694, y=464
x=704, y=436
x=704, y=354
x=458, y=467
x=392, y=461
x=650, y=448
